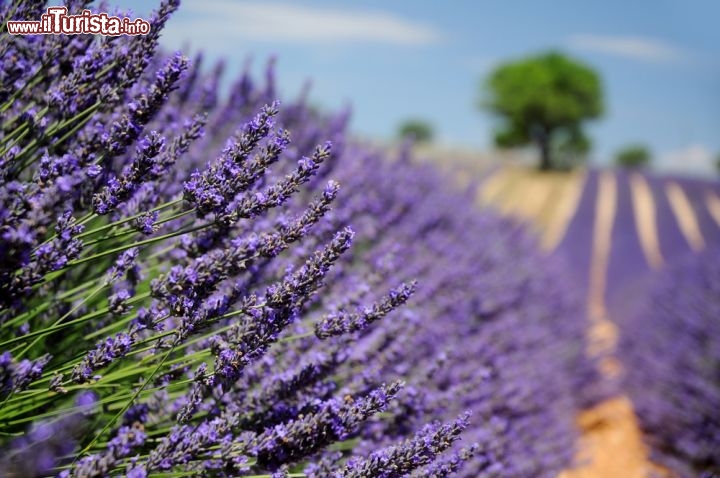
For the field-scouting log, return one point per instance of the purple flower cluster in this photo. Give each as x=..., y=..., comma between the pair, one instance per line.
x=17, y=375
x=103, y=354
x=670, y=347
x=242, y=301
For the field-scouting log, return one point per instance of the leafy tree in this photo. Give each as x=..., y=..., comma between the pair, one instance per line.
x=543, y=100
x=633, y=156
x=420, y=131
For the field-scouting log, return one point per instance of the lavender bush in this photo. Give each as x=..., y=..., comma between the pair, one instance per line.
x=187, y=288
x=676, y=397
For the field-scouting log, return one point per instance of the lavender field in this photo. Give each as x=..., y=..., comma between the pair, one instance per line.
x=201, y=275
x=646, y=220
x=623, y=231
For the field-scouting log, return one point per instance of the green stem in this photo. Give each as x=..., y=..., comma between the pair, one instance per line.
x=32, y=81
x=81, y=118
x=137, y=244
x=57, y=322
x=17, y=140
x=61, y=326
x=135, y=216
x=126, y=406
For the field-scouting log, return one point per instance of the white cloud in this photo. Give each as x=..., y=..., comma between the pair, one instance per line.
x=695, y=159
x=228, y=20
x=639, y=48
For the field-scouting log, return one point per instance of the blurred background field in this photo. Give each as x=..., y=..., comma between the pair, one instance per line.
x=633, y=185
x=616, y=228
x=394, y=62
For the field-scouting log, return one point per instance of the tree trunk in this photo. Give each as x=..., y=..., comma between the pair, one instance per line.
x=544, y=144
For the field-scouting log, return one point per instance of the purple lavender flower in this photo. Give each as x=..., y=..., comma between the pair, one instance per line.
x=49, y=256
x=214, y=189
x=140, y=111
x=147, y=222
x=125, y=442
x=183, y=289
x=124, y=265
x=448, y=465
x=104, y=353
x=398, y=461
x=333, y=421
x=42, y=448
x=143, y=168
x=16, y=376
x=342, y=322
x=245, y=343
x=117, y=302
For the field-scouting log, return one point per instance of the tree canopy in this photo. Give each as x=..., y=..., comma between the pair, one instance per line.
x=421, y=131
x=633, y=156
x=544, y=99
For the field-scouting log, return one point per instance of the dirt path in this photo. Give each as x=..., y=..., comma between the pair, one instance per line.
x=611, y=445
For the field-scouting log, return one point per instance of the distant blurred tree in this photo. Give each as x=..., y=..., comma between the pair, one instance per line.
x=421, y=131
x=633, y=156
x=543, y=100
x=717, y=163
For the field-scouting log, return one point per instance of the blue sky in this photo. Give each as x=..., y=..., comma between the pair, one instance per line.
x=392, y=60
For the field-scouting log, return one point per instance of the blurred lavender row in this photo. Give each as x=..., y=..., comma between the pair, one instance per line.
x=670, y=346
